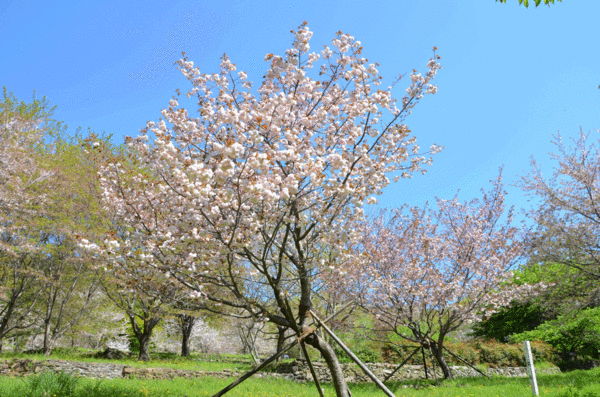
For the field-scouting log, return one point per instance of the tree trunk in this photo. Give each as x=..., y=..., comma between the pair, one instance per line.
x=187, y=325
x=1, y=342
x=337, y=376
x=144, y=348
x=185, y=345
x=280, y=340
x=47, y=343
x=143, y=335
x=437, y=350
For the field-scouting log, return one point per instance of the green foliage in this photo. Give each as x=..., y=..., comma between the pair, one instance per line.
x=518, y=318
x=11, y=108
x=577, y=393
x=501, y=355
x=526, y=2
x=364, y=352
x=575, y=335
x=487, y=353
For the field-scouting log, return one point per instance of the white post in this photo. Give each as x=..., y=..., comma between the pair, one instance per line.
x=531, y=369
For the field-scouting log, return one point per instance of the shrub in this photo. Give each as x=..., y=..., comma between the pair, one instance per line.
x=365, y=353
x=501, y=355
x=575, y=336
x=492, y=353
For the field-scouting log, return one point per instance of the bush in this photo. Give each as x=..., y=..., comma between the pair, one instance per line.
x=365, y=353
x=467, y=351
x=501, y=355
x=575, y=336
x=491, y=353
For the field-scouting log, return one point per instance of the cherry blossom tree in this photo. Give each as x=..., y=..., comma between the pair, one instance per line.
x=425, y=272
x=568, y=215
x=246, y=197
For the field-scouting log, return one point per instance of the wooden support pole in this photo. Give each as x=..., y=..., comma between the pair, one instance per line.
x=312, y=369
x=424, y=362
x=353, y=357
x=464, y=361
x=256, y=369
x=437, y=382
x=401, y=365
x=276, y=355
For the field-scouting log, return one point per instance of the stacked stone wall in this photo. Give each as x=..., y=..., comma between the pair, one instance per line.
x=296, y=370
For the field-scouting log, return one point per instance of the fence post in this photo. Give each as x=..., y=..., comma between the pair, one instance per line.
x=531, y=369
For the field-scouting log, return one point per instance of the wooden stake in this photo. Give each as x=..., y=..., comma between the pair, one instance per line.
x=353, y=357
x=464, y=361
x=424, y=362
x=312, y=369
x=401, y=365
x=279, y=353
x=437, y=382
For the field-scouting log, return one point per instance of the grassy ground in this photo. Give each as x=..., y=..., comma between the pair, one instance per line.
x=196, y=362
x=572, y=384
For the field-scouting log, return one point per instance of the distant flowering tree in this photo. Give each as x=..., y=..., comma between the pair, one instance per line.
x=425, y=272
x=568, y=217
x=244, y=203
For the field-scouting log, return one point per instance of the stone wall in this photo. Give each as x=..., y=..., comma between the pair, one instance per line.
x=297, y=370
x=19, y=367
x=300, y=372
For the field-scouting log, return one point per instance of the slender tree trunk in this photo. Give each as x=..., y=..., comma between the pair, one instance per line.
x=437, y=350
x=18, y=342
x=280, y=339
x=187, y=325
x=327, y=352
x=47, y=342
x=185, y=345
x=1, y=343
x=337, y=375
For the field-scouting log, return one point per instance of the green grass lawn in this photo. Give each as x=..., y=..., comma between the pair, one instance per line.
x=572, y=384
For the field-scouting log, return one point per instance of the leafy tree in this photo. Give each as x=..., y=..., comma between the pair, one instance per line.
x=247, y=197
x=516, y=318
x=526, y=2
x=49, y=196
x=25, y=207
x=70, y=286
x=567, y=290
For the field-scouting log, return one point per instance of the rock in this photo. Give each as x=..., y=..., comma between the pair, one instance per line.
x=111, y=354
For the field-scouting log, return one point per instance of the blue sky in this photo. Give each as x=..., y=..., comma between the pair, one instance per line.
x=511, y=76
